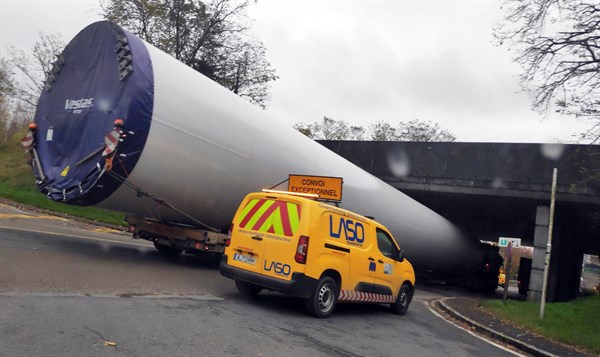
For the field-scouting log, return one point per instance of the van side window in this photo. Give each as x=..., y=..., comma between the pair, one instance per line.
x=385, y=244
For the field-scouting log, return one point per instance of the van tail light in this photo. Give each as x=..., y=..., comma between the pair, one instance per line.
x=228, y=240
x=302, y=250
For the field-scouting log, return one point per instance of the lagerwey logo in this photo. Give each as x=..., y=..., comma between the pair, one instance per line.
x=83, y=103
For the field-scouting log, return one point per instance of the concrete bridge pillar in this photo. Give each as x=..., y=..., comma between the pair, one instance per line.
x=566, y=258
x=540, y=239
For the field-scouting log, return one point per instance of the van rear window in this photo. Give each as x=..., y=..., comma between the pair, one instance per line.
x=271, y=216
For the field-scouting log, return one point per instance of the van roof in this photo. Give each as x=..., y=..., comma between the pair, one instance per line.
x=329, y=206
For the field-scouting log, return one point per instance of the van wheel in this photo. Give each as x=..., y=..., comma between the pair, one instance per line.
x=165, y=249
x=323, y=300
x=246, y=288
x=402, y=301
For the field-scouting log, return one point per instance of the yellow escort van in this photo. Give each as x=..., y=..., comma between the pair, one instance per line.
x=316, y=251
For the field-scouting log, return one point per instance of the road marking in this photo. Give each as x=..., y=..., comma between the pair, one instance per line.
x=472, y=333
x=199, y=297
x=148, y=245
x=106, y=230
x=26, y=216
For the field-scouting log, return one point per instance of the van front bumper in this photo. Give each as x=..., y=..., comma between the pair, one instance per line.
x=299, y=286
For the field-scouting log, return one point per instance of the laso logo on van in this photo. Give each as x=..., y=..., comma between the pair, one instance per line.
x=353, y=231
x=278, y=268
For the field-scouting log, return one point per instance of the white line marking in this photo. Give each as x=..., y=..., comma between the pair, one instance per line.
x=27, y=216
x=473, y=333
x=80, y=237
x=202, y=297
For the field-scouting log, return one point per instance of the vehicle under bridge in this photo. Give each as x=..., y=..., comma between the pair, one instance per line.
x=496, y=190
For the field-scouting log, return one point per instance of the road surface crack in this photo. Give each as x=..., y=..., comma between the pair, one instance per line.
x=324, y=347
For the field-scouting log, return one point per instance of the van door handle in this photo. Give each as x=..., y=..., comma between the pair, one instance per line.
x=380, y=261
x=371, y=259
x=257, y=238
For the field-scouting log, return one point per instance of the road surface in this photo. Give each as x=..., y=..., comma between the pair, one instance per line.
x=69, y=289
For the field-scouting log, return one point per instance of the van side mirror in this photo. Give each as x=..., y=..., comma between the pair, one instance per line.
x=400, y=256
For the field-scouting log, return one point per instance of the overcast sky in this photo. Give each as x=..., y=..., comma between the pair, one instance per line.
x=362, y=62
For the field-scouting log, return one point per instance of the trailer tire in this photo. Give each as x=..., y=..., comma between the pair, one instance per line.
x=166, y=250
x=246, y=288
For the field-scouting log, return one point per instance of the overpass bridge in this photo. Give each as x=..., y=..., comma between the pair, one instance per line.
x=494, y=190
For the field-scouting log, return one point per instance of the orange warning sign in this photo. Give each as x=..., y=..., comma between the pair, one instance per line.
x=328, y=188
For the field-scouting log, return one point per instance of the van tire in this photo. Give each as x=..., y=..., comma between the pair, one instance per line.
x=166, y=250
x=324, y=298
x=246, y=288
x=402, y=301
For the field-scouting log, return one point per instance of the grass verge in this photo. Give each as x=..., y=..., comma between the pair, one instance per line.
x=575, y=323
x=17, y=183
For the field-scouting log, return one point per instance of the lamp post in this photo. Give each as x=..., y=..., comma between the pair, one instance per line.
x=549, y=244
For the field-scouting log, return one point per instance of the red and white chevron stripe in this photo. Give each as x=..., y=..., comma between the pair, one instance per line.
x=359, y=296
x=27, y=141
x=111, y=140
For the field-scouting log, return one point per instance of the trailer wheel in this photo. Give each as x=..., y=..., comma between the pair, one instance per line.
x=165, y=249
x=324, y=298
x=246, y=288
x=402, y=301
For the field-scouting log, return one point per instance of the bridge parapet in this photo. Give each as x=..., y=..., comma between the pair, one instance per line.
x=498, y=169
x=540, y=191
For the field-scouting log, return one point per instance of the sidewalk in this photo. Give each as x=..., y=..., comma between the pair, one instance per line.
x=468, y=311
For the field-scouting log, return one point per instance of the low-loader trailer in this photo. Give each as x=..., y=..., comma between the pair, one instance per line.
x=174, y=238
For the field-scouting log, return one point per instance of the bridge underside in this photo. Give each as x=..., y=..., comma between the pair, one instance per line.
x=489, y=217
x=501, y=190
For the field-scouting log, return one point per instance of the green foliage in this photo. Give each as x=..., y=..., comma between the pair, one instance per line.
x=211, y=37
x=17, y=183
x=14, y=169
x=575, y=323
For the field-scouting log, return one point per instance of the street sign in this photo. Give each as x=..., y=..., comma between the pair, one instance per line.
x=328, y=188
x=503, y=242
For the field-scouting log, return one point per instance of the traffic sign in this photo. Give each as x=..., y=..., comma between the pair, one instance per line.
x=328, y=188
x=503, y=242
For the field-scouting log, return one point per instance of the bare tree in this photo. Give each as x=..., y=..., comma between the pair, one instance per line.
x=6, y=91
x=31, y=68
x=557, y=42
x=414, y=130
x=422, y=131
x=6, y=80
x=382, y=131
x=357, y=133
x=327, y=129
x=22, y=78
x=306, y=129
x=211, y=37
x=331, y=129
